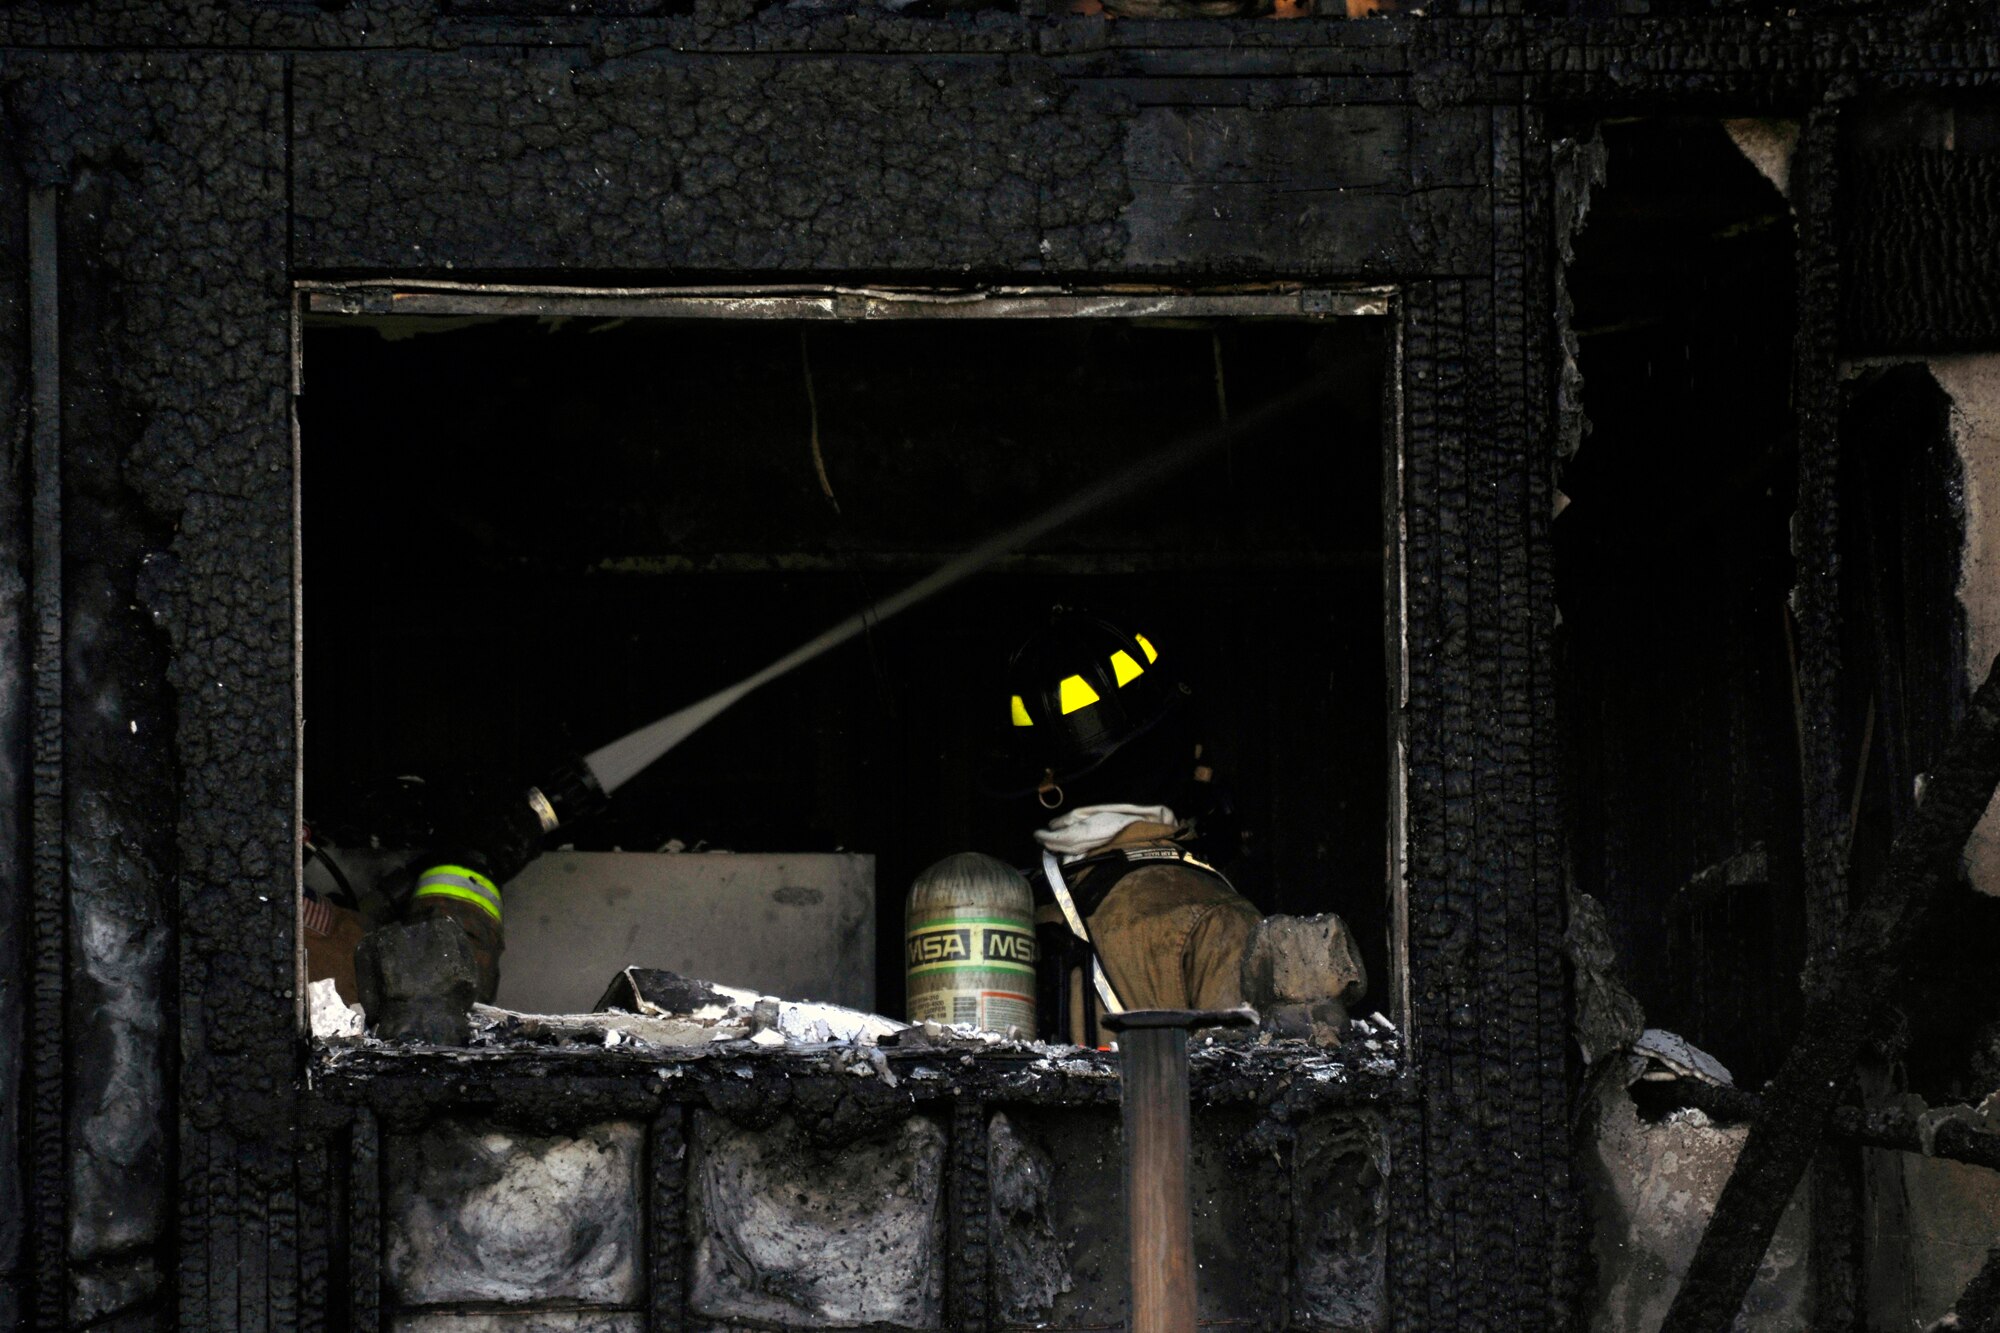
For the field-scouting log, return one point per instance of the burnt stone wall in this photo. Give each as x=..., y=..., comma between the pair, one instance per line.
x=189, y=160
x=908, y=1189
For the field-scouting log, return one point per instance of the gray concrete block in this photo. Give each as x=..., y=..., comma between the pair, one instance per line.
x=787, y=1231
x=796, y=925
x=478, y=1214
x=1301, y=973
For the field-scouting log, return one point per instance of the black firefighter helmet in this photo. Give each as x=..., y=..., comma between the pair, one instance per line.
x=1081, y=689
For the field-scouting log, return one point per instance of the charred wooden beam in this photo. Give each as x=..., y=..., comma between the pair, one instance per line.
x=666, y=1221
x=968, y=1219
x=48, y=1146
x=1874, y=956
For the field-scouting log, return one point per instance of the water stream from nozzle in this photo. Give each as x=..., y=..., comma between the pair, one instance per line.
x=625, y=758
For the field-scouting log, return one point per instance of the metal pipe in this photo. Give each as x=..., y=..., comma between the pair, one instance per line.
x=1159, y=1209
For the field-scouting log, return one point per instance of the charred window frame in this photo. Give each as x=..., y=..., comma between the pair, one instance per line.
x=329, y=304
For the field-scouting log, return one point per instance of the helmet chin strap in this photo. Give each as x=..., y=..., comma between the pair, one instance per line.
x=1048, y=793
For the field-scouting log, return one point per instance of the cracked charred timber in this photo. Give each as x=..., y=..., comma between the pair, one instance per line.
x=168, y=170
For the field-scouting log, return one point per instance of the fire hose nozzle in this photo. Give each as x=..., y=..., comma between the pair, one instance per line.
x=570, y=793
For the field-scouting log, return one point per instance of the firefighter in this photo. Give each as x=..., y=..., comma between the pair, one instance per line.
x=1135, y=914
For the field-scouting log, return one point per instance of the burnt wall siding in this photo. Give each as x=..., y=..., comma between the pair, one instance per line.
x=17, y=636
x=830, y=164
x=173, y=848
x=1481, y=957
x=119, y=799
x=1923, y=263
x=659, y=162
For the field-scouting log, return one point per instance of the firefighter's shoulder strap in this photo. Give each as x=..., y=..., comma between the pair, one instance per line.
x=1052, y=871
x=1097, y=874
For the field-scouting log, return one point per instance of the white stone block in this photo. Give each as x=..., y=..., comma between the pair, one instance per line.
x=790, y=1232
x=478, y=1214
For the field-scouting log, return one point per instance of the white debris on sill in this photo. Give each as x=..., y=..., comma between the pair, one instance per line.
x=805, y=1021
x=687, y=1017
x=682, y=1013
x=332, y=1018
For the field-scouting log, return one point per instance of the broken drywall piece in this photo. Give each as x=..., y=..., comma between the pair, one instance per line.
x=1608, y=1019
x=332, y=1018
x=1652, y=1187
x=1972, y=382
x=1769, y=144
x=1930, y=1223
x=1662, y=1054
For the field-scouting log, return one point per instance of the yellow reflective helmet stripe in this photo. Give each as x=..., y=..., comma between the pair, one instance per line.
x=1021, y=718
x=461, y=883
x=1152, y=653
x=463, y=875
x=463, y=895
x=1075, y=693
x=1125, y=668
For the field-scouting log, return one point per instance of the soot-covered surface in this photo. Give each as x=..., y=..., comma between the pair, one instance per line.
x=177, y=139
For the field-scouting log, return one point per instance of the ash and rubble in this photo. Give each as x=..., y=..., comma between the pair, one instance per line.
x=674, y=1021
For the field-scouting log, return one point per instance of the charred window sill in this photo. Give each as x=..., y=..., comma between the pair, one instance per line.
x=541, y=1082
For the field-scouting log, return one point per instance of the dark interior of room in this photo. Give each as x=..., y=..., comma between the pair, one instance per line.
x=523, y=538
x=1674, y=564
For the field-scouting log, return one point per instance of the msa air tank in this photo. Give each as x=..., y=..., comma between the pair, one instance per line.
x=969, y=945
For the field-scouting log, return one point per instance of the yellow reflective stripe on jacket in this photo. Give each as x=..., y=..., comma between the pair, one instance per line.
x=462, y=883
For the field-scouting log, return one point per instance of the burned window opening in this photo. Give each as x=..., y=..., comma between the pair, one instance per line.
x=553, y=547
x=1674, y=569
